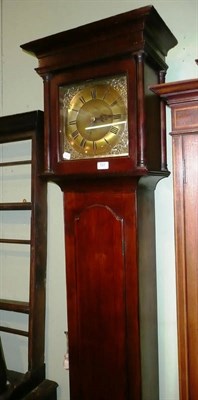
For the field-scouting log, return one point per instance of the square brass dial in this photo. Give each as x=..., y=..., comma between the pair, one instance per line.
x=94, y=118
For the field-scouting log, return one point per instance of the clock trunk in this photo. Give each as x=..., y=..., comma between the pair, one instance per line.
x=111, y=289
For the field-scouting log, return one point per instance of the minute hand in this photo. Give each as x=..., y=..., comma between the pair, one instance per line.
x=102, y=125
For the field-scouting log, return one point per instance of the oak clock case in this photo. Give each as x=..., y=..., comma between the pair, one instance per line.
x=93, y=118
x=107, y=161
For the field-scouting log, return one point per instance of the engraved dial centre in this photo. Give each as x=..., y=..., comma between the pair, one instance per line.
x=93, y=119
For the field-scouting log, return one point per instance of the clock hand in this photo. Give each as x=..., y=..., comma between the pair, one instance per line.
x=104, y=117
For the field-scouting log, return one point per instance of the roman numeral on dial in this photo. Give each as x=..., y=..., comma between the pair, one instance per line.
x=75, y=134
x=117, y=116
x=116, y=101
x=82, y=99
x=94, y=146
x=93, y=93
x=83, y=143
x=114, y=130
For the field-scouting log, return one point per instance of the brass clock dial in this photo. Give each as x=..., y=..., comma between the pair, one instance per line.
x=94, y=119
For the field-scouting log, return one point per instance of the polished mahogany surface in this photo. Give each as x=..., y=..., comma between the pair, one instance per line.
x=109, y=213
x=111, y=288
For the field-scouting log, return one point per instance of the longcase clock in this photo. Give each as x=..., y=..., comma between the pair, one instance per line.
x=105, y=147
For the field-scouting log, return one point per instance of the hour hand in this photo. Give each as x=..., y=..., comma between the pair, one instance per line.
x=105, y=117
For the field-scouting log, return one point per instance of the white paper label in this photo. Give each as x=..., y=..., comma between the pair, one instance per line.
x=103, y=165
x=66, y=155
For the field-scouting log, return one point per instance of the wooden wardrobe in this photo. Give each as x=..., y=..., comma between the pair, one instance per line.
x=182, y=98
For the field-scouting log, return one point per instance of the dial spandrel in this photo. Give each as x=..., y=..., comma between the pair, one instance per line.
x=93, y=117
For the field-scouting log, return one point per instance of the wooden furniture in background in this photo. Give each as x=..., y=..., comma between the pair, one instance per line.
x=3, y=370
x=20, y=129
x=182, y=98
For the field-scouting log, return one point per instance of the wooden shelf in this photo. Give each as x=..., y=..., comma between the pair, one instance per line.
x=26, y=205
x=14, y=331
x=15, y=305
x=15, y=163
x=15, y=241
